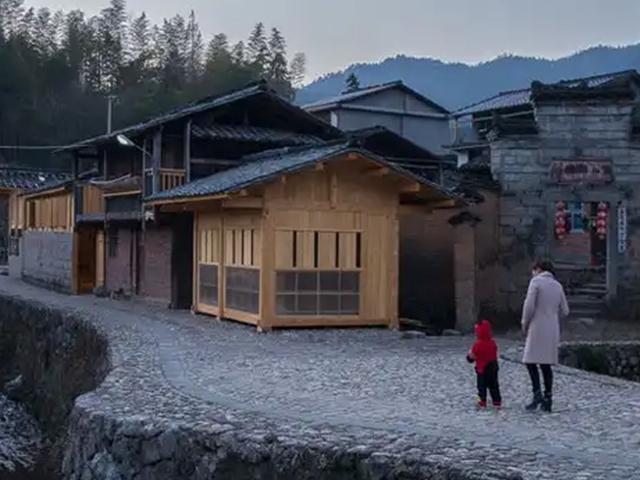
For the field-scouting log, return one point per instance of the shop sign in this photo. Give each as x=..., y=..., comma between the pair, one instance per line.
x=569, y=172
x=622, y=228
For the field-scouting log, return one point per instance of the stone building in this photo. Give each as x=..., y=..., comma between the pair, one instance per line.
x=567, y=159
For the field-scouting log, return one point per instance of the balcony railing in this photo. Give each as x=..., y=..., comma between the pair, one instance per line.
x=169, y=178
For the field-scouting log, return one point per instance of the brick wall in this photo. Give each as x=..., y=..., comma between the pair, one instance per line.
x=47, y=259
x=156, y=264
x=426, y=268
x=121, y=261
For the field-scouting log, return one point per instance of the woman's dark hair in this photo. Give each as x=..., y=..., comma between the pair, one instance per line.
x=545, y=266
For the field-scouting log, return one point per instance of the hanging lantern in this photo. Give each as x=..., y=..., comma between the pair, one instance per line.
x=560, y=220
x=601, y=220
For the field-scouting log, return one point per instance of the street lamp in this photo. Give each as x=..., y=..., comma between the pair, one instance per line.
x=125, y=141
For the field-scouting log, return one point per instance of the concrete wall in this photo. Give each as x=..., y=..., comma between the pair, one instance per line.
x=47, y=259
x=430, y=133
x=156, y=265
x=15, y=261
x=567, y=131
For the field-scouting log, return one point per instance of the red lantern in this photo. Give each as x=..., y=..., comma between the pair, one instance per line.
x=601, y=220
x=560, y=220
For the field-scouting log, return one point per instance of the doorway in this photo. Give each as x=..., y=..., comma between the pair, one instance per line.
x=90, y=259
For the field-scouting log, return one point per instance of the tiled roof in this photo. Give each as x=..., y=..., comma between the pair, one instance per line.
x=346, y=97
x=517, y=98
x=266, y=165
x=203, y=105
x=17, y=178
x=253, y=134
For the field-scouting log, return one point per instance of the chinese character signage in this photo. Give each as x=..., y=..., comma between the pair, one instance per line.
x=622, y=228
x=569, y=172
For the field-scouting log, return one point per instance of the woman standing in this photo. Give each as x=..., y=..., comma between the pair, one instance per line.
x=543, y=307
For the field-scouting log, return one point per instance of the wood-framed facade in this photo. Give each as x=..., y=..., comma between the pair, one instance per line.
x=311, y=248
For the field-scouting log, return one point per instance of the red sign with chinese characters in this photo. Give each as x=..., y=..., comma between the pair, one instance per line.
x=569, y=172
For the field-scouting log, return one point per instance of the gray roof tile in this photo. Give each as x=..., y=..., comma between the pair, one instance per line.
x=266, y=165
x=253, y=134
x=517, y=98
x=27, y=178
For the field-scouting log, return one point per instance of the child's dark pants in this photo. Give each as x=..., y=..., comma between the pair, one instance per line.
x=488, y=380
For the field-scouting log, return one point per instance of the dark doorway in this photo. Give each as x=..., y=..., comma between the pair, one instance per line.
x=182, y=262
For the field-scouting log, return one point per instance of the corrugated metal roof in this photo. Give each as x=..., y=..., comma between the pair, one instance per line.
x=17, y=178
x=517, y=98
x=253, y=134
x=266, y=165
x=346, y=97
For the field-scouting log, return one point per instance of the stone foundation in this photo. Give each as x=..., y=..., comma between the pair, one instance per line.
x=616, y=359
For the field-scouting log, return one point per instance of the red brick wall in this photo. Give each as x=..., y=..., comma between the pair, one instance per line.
x=120, y=270
x=156, y=264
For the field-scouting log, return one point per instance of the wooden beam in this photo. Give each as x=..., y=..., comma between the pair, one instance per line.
x=413, y=188
x=156, y=159
x=378, y=172
x=283, y=179
x=194, y=200
x=450, y=203
x=319, y=166
x=243, y=202
x=187, y=151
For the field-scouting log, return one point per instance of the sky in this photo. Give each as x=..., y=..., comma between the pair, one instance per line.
x=337, y=33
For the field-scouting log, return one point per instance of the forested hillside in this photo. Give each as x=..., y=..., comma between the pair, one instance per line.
x=456, y=84
x=58, y=68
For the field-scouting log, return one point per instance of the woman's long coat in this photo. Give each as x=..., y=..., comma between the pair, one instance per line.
x=543, y=307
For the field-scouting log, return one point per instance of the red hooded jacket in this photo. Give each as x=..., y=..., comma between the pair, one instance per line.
x=485, y=350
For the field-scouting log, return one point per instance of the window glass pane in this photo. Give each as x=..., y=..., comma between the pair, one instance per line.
x=350, y=282
x=286, y=281
x=307, y=304
x=243, y=289
x=285, y=304
x=350, y=304
x=329, y=304
x=307, y=281
x=329, y=281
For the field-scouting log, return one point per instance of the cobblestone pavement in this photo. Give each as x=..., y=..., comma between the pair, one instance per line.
x=367, y=386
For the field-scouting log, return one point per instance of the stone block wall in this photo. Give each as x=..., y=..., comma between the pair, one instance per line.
x=616, y=359
x=567, y=131
x=47, y=259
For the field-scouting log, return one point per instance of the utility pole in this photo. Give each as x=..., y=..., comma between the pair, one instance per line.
x=110, y=101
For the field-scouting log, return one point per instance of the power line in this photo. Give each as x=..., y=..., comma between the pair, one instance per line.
x=32, y=147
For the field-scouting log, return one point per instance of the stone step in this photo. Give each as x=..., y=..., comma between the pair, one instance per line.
x=584, y=300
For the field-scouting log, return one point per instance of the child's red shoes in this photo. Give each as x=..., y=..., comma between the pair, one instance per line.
x=497, y=405
x=482, y=404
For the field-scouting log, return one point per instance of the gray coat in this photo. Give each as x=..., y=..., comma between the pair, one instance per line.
x=543, y=307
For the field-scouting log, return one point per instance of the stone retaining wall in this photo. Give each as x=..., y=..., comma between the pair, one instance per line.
x=132, y=425
x=48, y=258
x=617, y=359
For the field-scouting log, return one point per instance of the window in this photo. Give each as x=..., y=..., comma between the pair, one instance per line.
x=209, y=284
x=576, y=218
x=113, y=243
x=316, y=293
x=242, y=289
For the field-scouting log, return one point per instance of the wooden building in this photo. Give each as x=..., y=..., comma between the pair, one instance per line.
x=301, y=237
x=121, y=247
x=15, y=180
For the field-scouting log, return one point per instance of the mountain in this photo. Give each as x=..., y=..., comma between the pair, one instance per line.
x=455, y=85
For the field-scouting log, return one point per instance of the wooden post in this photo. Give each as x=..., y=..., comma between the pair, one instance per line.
x=156, y=160
x=187, y=152
x=267, y=275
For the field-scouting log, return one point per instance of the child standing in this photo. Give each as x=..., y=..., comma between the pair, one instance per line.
x=485, y=355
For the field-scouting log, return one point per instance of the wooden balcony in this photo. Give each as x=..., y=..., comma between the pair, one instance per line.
x=169, y=178
x=90, y=206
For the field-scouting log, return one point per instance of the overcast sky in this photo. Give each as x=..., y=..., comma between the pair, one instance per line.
x=336, y=33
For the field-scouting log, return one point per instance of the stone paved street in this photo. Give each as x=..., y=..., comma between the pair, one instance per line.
x=368, y=389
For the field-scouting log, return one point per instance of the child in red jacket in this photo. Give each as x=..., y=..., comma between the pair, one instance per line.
x=485, y=355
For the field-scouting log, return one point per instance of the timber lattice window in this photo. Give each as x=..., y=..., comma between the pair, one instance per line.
x=318, y=273
x=242, y=272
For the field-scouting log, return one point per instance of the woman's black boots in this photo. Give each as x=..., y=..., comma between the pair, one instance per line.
x=537, y=401
x=547, y=402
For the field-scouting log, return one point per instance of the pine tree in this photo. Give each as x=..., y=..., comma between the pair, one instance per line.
x=298, y=69
x=352, y=83
x=11, y=11
x=195, y=49
x=278, y=72
x=112, y=32
x=218, y=50
x=238, y=54
x=75, y=42
x=258, y=51
x=140, y=38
